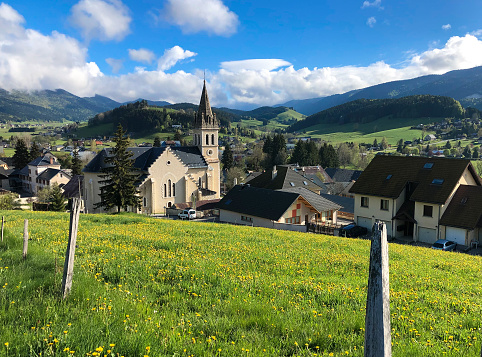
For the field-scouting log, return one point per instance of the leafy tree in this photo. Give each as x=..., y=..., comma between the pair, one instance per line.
x=7, y=201
x=21, y=156
x=227, y=159
x=384, y=143
x=157, y=142
x=76, y=162
x=118, y=176
x=57, y=199
x=344, y=155
x=234, y=173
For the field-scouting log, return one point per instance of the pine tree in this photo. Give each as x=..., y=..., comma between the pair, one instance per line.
x=76, y=163
x=57, y=199
x=157, y=142
x=34, y=152
x=118, y=182
x=227, y=159
x=21, y=156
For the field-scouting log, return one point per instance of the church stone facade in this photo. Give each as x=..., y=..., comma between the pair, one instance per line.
x=169, y=175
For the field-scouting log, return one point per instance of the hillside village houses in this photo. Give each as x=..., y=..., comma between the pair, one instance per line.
x=424, y=199
x=168, y=175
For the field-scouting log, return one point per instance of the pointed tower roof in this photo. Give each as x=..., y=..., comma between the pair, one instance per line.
x=204, y=106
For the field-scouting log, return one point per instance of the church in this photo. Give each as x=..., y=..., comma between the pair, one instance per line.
x=168, y=175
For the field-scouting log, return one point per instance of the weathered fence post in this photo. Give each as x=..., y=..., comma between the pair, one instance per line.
x=25, y=238
x=378, y=339
x=70, y=253
x=3, y=223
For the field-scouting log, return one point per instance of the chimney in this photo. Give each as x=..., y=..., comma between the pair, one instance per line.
x=51, y=160
x=274, y=173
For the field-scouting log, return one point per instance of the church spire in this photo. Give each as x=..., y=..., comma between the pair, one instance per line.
x=205, y=116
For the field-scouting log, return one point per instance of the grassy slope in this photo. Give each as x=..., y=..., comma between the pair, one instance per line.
x=199, y=289
x=392, y=129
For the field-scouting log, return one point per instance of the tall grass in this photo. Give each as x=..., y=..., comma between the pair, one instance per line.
x=169, y=288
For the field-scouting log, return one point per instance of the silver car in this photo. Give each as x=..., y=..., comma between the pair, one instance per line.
x=443, y=244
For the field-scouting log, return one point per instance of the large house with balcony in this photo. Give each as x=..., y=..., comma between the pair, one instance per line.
x=425, y=199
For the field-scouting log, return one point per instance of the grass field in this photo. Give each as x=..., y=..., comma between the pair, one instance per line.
x=147, y=287
x=393, y=130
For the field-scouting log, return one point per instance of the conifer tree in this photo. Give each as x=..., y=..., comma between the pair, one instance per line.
x=227, y=159
x=118, y=182
x=21, y=156
x=34, y=152
x=76, y=163
x=57, y=199
x=157, y=142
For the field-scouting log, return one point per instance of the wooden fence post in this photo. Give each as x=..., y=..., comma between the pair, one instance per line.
x=25, y=238
x=3, y=223
x=70, y=253
x=378, y=339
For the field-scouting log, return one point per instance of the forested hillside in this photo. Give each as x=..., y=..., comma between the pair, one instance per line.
x=49, y=105
x=368, y=110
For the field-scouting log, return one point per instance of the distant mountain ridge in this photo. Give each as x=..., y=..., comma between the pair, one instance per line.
x=48, y=105
x=464, y=85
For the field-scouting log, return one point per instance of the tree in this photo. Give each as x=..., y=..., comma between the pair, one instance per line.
x=384, y=143
x=7, y=201
x=76, y=162
x=475, y=153
x=118, y=176
x=21, y=156
x=448, y=145
x=344, y=155
x=227, y=159
x=157, y=142
x=400, y=145
x=234, y=173
x=34, y=152
x=328, y=156
x=57, y=199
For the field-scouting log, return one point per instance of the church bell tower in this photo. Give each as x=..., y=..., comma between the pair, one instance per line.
x=206, y=128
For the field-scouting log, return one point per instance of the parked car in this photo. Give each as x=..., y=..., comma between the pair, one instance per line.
x=352, y=231
x=187, y=214
x=443, y=244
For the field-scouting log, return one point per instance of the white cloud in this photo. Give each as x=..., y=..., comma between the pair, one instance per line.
x=101, y=19
x=446, y=27
x=194, y=16
x=371, y=21
x=116, y=64
x=172, y=56
x=142, y=55
x=254, y=64
x=375, y=3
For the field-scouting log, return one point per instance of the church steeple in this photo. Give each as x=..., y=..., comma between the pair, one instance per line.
x=205, y=118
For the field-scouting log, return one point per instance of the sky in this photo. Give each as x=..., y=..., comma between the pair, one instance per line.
x=251, y=52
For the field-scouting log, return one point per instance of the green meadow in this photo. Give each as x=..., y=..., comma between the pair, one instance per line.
x=154, y=287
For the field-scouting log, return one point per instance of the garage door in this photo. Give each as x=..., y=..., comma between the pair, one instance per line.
x=456, y=235
x=427, y=235
x=365, y=222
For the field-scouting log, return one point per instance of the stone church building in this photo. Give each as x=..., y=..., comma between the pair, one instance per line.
x=168, y=175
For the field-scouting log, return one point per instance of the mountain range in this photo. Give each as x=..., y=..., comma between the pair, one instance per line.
x=463, y=85
x=58, y=105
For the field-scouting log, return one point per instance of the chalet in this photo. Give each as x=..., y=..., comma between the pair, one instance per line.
x=412, y=195
x=289, y=209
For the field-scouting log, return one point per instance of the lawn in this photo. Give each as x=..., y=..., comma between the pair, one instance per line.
x=170, y=288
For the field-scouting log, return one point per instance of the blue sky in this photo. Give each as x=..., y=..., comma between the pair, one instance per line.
x=254, y=53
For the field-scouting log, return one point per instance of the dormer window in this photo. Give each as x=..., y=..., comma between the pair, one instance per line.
x=389, y=177
x=292, y=183
x=437, y=181
x=428, y=165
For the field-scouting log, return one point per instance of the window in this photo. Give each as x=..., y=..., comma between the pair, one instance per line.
x=437, y=181
x=427, y=211
x=388, y=177
x=145, y=201
x=247, y=219
x=173, y=190
x=207, y=139
x=364, y=201
x=169, y=187
x=428, y=165
x=165, y=190
x=293, y=220
x=384, y=205
x=212, y=139
x=292, y=183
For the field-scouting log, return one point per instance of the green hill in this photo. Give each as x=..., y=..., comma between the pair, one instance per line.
x=364, y=111
x=145, y=286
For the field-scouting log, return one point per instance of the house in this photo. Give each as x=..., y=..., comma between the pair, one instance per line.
x=289, y=209
x=412, y=194
x=341, y=181
x=429, y=137
x=42, y=172
x=347, y=210
x=283, y=177
x=171, y=174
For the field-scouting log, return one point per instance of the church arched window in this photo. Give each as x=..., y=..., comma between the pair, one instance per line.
x=207, y=139
x=212, y=139
x=165, y=190
x=173, y=190
x=169, y=187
